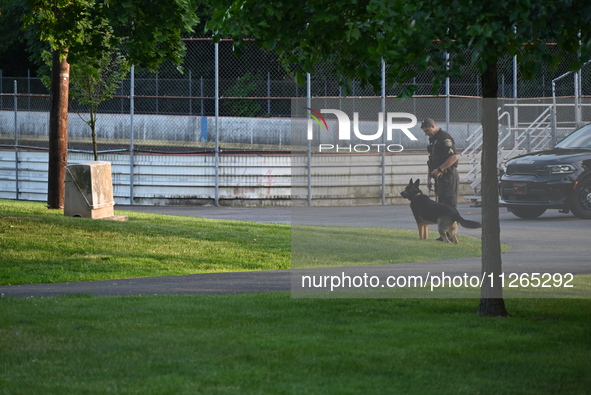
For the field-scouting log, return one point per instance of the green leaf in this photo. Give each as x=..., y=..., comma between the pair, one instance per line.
x=300, y=78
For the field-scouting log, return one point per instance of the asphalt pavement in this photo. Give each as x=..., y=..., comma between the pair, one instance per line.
x=552, y=243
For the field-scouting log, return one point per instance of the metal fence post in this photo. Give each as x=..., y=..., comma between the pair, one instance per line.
x=131, y=141
x=553, y=112
x=309, y=146
x=515, y=109
x=217, y=116
x=29, y=89
x=268, y=93
x=190, y=93
x=578, y=91
x=157, y=87
x=383, y=96
x=447, y=92
x=580, y=98
x=201, y=92
x=577, y=104
x=16, y=175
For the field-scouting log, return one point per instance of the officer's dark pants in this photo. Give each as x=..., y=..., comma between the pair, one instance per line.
x=447, y=187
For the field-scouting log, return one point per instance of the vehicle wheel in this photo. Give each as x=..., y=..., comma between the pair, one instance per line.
x=581, y=203
x=527, y=212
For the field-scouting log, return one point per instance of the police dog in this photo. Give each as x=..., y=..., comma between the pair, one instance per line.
x=428, y=212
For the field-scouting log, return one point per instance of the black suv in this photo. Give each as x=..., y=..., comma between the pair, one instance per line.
x=559, y=178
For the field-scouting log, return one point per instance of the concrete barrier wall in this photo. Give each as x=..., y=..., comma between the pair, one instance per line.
x=244, y=180
x=190, y=129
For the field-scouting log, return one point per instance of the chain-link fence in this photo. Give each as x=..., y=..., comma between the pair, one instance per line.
x=245, y=105
x=174, y=109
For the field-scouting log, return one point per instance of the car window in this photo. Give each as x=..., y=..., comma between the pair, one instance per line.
x=578, y=139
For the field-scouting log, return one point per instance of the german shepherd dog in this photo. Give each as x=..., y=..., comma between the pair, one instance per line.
x=428, y=212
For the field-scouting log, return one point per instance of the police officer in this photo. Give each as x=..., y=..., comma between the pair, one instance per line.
x=443, y=163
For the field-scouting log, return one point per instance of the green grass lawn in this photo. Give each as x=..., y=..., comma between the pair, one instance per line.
x=43, y=246
x=325, y=246
x=261, y=343
x=272, y=344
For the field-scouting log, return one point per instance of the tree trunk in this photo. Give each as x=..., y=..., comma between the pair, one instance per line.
x=92, y=124
x=491, y=293
x=58, y=131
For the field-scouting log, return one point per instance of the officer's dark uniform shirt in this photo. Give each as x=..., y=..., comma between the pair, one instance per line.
x=441, y=146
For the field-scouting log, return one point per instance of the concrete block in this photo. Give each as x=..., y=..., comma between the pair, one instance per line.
x=89, y=190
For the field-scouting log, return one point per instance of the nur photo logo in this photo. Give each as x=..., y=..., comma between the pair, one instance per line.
x=315, y=115
x=394, y=121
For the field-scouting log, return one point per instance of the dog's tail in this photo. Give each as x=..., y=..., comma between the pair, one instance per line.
x=466, y=223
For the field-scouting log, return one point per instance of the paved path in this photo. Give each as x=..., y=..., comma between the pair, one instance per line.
x=552, y=243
